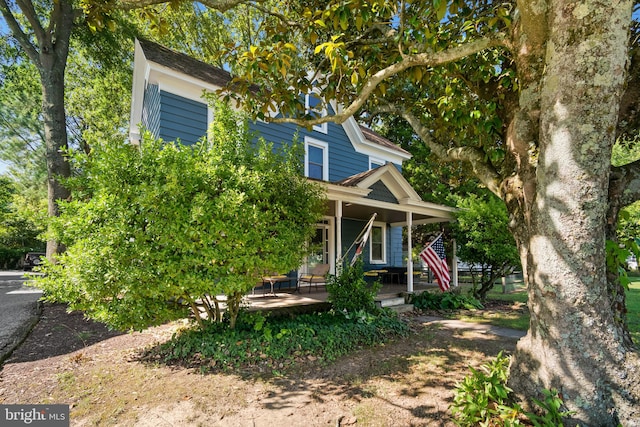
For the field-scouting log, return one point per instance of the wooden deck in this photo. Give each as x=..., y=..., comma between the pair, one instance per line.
x=308, y=299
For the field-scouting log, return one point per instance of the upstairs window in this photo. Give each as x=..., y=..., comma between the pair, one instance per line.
x=316, y=159
x=312, y=105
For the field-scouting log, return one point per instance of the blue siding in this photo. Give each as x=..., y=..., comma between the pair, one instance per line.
x=151, y=110
x=394, y=256
x=350, y=230
x=182, y=118
x=344, y=161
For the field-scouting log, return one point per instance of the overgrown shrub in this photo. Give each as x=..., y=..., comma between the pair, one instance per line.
x=350, y=292
x=160, y=223
x=444, y=301
x=277, y=343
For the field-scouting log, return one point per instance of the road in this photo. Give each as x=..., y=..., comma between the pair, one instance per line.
x=18, y=310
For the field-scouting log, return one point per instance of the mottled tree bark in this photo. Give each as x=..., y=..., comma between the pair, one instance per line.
x=574, y=343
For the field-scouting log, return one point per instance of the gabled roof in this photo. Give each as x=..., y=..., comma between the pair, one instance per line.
x=184, y=64
x=159, y=60
x=356, y=192
x=381, y=140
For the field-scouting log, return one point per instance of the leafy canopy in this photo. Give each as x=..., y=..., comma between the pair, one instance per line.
x=159, y=224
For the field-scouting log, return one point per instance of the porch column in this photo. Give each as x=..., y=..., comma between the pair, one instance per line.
x=338, y=236
x=454, y=265
x=409, y=253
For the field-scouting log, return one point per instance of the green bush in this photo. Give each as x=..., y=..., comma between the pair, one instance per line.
x=231, y=210
x=349, y=292
x=444, y=301
x=483, y=398
x=10, y=258
x=277, y=343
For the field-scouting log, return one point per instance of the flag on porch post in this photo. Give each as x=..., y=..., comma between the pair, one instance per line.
x=362, y=239
x=436, y=259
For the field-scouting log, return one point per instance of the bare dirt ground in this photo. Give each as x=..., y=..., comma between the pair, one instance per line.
x=408, y=382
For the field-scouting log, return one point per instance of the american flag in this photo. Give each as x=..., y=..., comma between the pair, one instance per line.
x=436, y=259
x=362, y=239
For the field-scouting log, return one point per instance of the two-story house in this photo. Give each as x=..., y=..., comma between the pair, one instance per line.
x=359, y=168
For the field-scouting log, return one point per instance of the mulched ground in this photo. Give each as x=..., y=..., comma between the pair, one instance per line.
x=58, y=333
x=98, y=372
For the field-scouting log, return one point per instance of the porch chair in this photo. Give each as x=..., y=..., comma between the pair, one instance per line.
x=318, y=274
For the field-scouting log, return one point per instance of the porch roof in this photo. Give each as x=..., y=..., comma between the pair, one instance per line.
x=392, y=201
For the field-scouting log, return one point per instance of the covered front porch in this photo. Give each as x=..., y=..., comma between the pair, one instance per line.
x=313, y=299
x=385, y=193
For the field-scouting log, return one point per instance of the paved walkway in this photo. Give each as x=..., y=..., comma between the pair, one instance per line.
x=19, y=311
x=478, y=327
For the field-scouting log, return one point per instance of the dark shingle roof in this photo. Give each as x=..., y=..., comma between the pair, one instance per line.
x=189, y=66
x=184, y=64
x=380, y=140
x=354, y=180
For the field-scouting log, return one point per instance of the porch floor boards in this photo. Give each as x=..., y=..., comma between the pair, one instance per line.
x=289, y=299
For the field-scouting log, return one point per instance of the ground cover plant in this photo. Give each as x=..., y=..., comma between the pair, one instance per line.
x=483, y=398
x=273, y=344
x=445, y=301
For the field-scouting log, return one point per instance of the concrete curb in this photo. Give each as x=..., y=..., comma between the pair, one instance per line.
x=21, y=333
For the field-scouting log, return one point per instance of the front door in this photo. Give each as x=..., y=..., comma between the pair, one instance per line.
x=320, y=245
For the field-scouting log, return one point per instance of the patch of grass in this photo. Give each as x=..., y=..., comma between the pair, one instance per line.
x=520, y=321
x=275, y=344
x=511, y=320
x=633, y=307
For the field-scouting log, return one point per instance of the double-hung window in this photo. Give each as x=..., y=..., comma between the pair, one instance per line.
x=377, y=244
x=316, y=159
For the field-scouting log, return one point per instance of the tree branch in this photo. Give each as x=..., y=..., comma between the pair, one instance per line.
x=627, y=179
x=17, y=32
x=484, y=171
x=32, y=17
x=221, y=5
x=428, y=59
x=277, y=15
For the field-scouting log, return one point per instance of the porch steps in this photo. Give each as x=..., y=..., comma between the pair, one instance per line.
x=395, y=302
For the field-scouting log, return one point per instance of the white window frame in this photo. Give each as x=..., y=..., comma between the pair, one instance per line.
x=383, y=226
x=325, y=156
x=323, y=128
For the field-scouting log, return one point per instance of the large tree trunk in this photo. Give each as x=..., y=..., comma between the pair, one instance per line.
x=50, y=57
x=56, y=141
x=574, y=343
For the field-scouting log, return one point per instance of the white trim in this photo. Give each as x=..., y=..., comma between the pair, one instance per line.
x=364, y=146
x=327, y=224
x=377, y=161
x=308, y=141
x=383, y=227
